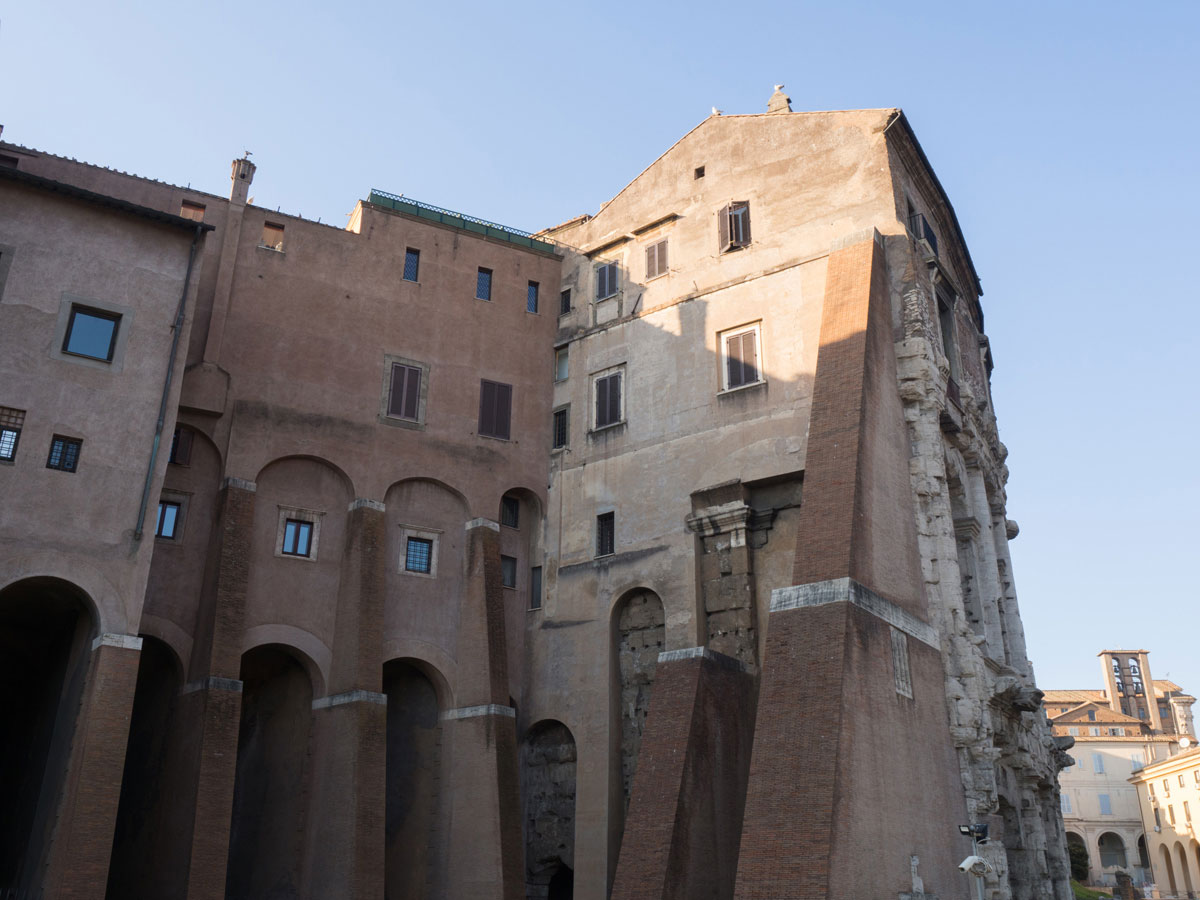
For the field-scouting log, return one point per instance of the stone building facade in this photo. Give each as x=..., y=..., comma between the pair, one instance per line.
x=1168, y=795
x=662, y=553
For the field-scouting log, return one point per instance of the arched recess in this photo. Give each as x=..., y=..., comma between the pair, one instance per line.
x=522, y=525
x=1185, y=871
x=415, y=809
x=1143, y=855
x=1167, y=867
x=1076, y=841
x=46, y=630
x=1112, y=850
x=150, y=850
x=639, y=635
x=270, y=797
x=548, y=787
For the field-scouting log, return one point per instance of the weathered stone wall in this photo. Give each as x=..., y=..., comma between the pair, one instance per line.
x=548, y=761
x=641, y=632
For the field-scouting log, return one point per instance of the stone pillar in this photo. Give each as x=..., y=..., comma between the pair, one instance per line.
x=486, y=850
x=349, y=783
x=77, y=861
x=989, y=577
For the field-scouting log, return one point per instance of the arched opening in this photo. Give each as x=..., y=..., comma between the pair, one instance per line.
x=413, y=777
x=548, y=760
x=149, y=853
x=640, y=636
x=1143, y=856
x=1185, y=872
x=1077, y=853
x=1112, y=850
x=1165, y=863
x=46, y=626
x=270, y=795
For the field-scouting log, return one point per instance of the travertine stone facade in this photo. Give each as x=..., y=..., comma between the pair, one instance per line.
x=641, y=633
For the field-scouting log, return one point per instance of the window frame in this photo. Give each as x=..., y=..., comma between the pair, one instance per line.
x=409, y=541
x=597, y=377
x=611, y=280
x=736, y=211
x=532, y=292
x=564, y=302
x=93, y=312
x=723, y=338
x=67, y=442
x=413, y=255
x=565, y=412
x=310, y=517
x=423, y=533
x=508, y=564
x=479, y=283
x=276, y=230
x=182, y=439
x=390, y=361
x=562, y=363
x=176, y=522
x=409, y=401
x=12, y=421
x=510, y=511
x=508, y=392
x=535, y=587
x=606, y=527
x=187, y=209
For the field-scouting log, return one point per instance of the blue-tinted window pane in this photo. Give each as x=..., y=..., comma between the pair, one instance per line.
x=418, y=555
x=168, y=517
x=483, y=285
x=531, y=298
x=8, y=443
x=412, y=262
x=296, y=537
x=91, y=334
x=64, y=454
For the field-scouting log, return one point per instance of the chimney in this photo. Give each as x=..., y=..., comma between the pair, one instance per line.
x=242, y=175
x=779, y=102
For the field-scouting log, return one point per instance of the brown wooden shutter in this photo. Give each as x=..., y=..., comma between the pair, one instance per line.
x=614, y=398
x=723, y=228
x=651, y=261
x=487, y=407
x=749, y=358
x=412, y=392
x=503, y=410
x=745, y=223
x=662, y=257
x=733, y=354
x=601, y=401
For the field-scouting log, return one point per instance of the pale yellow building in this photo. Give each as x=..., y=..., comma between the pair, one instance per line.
x=1168, y=794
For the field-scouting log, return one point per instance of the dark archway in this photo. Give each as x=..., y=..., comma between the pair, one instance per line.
x=413, y=780
x=1143, y=855
x=548, y=779
x=46, y=626
x=562, y=884
x=270, y=796
x=1112, y=850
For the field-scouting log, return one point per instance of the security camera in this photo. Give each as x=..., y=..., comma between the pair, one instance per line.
x=975, y=865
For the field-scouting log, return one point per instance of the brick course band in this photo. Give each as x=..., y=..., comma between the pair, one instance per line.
x=349, y=697
x=212, y=683
x=720, y=659
x=122, y=641
x=363, y=503
x=847, y=590
x=470, y=712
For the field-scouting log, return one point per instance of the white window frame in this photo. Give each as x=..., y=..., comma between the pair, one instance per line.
x=562, y=363
x=424, y=533
x=616, y=280
x=722, y=341
x=312, y=516
x=596, y=378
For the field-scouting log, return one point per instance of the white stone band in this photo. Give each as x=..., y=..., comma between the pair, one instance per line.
x=847, y=590
x=471, y=712
x=349, y=697
x=120, y=641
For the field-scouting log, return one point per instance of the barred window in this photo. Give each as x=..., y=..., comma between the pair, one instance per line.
x=64, y=453
x=510, y=512
x=418, y=555
x=561, y=428
x=11, y=422
x=483, y=284
x=606, y=534
x=412, y=264
x=531, y=297
x=564, y=302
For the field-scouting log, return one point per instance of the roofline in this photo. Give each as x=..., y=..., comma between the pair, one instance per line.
x=69, y=190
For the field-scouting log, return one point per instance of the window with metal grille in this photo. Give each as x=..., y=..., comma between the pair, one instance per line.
x=91, y=333
x=168, y=519
x=560, y=364
x=483, y=284
x=412, y=264
x=193, y=211
x=272, y=236
x=608, y=400
x=656, y=260
x=510, y=512
x=297, y=538
x=740, y=349
x=181, y=446
x=535, y=587
x=733, y=225
x=64, y=453
x=561, y=423
x=404, y=398
x=531, y=297
x=495, y=409
x=508, y=571
x=606, y=280
x=564, y=302
x=606, y=534
x=11, y=421
x=418, y=555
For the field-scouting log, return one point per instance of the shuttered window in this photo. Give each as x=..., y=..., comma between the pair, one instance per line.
x=495, y=409
x=741, y=358
x=733, y=225
x=606, y=280
x=656, y=260
x=606, y=534
x=608, y=400
x=561, y=423
x=404, y=398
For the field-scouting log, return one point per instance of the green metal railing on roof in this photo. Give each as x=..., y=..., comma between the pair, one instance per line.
x=413, y=207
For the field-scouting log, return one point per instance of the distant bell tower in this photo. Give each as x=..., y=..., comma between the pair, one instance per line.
x=1130, y=688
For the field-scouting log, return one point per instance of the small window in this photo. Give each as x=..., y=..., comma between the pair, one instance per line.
x=1150, y=784
x=1166, y=787
x=733, y=226
x=1098, y=763
x=404, y=397
x=272, y=236
x=561, y=426
x=297, y=538
x=508, y=571
x=1073, y=730
x=564, y=302
x=561, y=364
x=1170, y=812
x=412, y=264
x=1187, y=812
x=483, y=284
x=1196, y=776
x=193, y=211
x=64, y=453
x=1181, y=783
x=1091, y=715
x=606, y=280
x=531, y=297
x=606, y=534
x=607, y=390
x=1136, y=764
x=656, y=260
x=8, y=162
x=1105, y=805
x=698, y=173
x=495, y=409
x=1066, y=803
x=11, y=422
x=1094, y=731
x=510, y=512
x=91, y=333
x=418, y=555
x=535, y=587
x=1157, y=819
x=901, y=670
x=1117, y=732
x=168, y=519
x=739, y=350
x=181, y=446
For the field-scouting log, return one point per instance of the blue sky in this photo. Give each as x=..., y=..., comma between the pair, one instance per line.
x=1064, y=132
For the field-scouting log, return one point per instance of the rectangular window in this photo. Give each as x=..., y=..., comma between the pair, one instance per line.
x=656, y=260
x=1181, y=784
x=297, y=538
x=508, y=571
x=404, y=398
x=560, y=364
x=1091, y=715
x=1117, y=732
x=1097, y=763
x=531, y=297
x=1137, y=763
x=1187, y=812
x=11, y=421
x=1150, y=784
x=64, y=453
x=181, y=446
x=606, y=534
x=272, y=236
x=91, y=333
x=1166, y=788
x=1196, y=776
x=561, y=426
x=607, y=389
x=168, y=519
x=193, y=211
x=1073, y=730
x=564, y=302
x=1157, y=819
x=1066, y=803
x=495, y=409
x=606, y=280
x=1094, y=731
x=698, y=173
x=1105, y=805
x=535, y=587
x=740, y=352
x=733, y=225
x=418, y=555
x=1171, y=814
x=483, y=284
x=510, y=512
x=412, y=264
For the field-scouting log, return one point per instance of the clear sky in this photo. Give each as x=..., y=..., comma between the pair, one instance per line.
x=1064, y=132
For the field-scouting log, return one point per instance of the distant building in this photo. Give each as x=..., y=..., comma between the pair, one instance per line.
x=1131, y=723
x=1168, y=794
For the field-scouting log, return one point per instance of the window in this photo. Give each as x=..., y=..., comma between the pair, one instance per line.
x=508, y=571
x=483, y=284
x=1094, y=731
x=1157, y=819
x=1105, y=805
x=1066, y=803
x=1150, y=784
x=1171, y=814
x=64, y=453
x=564, y=302
x=606, y=280
x=607, y=391
x=656, y=260
x=739, y=352
x=1073, y=731
x=531, y=297
x=297, y=538
x=561, y=426
x=535, y=587
x=193, y=211
x=1137, y=763
x=945, y=305
x=412, y=264
x=510, y=512
x=495, y=409
x=606, y=537
x=1166, y=787
x=733, y=225
x=1196, y=776
x=1117, y=732
x=272, y=236
x=91, y=333
x=1091, y=715
x=560, y=364
x=11, y=421
x=1187, y=812
x=404, y=395
x=901, y=671
x=1098, y=763
x=1181, y=784
x=168, y=519
x=418, y=555
x=181, y=446
x=698, y=173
